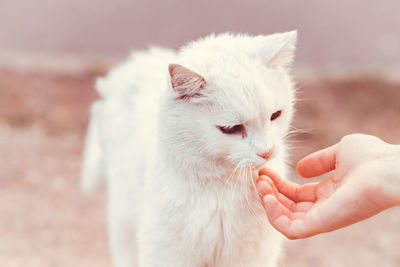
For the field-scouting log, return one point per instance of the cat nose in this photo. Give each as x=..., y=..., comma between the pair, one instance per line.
x=266, y=155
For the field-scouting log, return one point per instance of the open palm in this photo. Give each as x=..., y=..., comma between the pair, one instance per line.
x=351, y=193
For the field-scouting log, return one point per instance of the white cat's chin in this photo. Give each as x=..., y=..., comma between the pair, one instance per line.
x=268, y=163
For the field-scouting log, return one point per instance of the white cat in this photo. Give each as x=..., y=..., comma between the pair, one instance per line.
x=180, y=137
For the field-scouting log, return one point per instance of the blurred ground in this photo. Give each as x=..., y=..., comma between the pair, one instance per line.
x=46, y=222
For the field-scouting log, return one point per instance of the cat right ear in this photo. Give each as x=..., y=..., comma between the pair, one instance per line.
x=281, y=48
x=186, y=83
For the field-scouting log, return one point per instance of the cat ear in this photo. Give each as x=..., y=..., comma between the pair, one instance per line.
x=283, y=48
x=185, y=82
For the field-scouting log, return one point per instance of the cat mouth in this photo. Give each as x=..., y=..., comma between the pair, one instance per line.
x=264, y=162
x=258, y=166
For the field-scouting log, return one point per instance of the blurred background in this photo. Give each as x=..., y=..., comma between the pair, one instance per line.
x=347, y=70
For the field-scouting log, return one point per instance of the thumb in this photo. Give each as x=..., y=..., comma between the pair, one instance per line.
x=318, y=163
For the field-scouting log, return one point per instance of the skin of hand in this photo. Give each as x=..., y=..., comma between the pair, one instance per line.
x=364, y=181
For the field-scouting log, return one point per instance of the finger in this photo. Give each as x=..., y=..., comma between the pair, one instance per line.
x=263, y=188
x=289, y=224
x=268, y=174
x=293, y=206
x=291, y=190
x=266, y=186
x=263, y=176
x=318, y=162
x=288, y=203
x=275, y=208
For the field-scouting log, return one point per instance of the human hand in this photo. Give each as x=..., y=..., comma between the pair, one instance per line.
x=364, y=182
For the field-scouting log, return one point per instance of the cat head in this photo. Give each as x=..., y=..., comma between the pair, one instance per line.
x=231, y=99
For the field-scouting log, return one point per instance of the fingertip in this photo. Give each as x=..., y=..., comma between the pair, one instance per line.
x=307, y=167
x=317, y=163
x=269, y=174
x=262, y=171
x=301, y=168
x=265, y=178
x=263, y=188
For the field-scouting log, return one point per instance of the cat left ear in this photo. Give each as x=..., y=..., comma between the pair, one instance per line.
x=185, y=82
x=284, y=46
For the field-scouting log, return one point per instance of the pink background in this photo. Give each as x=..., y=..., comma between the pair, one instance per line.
x=341, y=32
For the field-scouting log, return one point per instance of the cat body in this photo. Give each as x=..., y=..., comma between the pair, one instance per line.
x=180, y=137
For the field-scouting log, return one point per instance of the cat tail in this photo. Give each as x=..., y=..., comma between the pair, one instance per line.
x=92, y=153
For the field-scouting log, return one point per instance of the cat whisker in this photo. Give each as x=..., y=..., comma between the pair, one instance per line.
x=295, y=131
x=247, y=181
x=253, y=189
x=230, y=178
x=300, y=86
x=245, y=185
x=249, y=177
x=290, y=140
x=296, y=147
x=239, y=178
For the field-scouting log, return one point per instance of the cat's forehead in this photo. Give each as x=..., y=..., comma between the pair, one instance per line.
x=238, y=75
x=252, y=93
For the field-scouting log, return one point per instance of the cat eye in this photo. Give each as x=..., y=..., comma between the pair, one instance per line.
x=276, y=115
x=237, y=129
